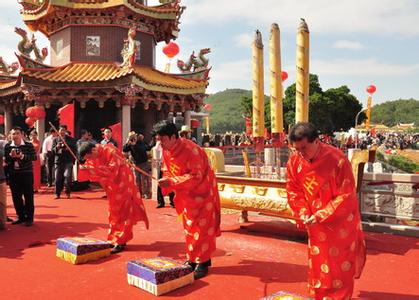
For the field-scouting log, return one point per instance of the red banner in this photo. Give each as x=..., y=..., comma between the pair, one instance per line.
x=66, y=114
x=117, y=134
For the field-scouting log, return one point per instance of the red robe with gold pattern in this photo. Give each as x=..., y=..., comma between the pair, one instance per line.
x=326, y=188
x=196, y=197
x=126, y=207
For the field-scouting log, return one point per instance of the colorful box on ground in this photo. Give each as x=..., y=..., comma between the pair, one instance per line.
x=285, y=296
x=81, y=250
x=159, y=275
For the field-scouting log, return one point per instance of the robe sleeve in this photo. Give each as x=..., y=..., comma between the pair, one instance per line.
x=192, y=178
x=296, y=198
x=342, y=205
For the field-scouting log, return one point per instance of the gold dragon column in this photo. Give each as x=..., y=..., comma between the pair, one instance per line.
x=258, y=91
x=277, y=123
x=303, y=75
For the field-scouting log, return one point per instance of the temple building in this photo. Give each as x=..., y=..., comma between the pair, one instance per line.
x=102, y=60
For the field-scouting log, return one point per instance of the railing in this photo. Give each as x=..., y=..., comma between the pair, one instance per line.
x=390, y=202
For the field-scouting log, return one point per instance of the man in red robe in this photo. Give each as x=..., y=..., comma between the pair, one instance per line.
x=321, y=192
x=187, y=173
x=107, y=166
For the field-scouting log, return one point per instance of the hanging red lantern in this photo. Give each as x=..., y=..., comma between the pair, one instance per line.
x=371, y=89
x=284, y=75
x=35, y=112
x=30, y=122
x=1, y=119
x=171, y=50
x=208, y=107
x=195, y=123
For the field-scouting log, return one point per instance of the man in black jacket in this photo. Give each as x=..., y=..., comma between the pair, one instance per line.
x=137, y=148
x=64, y=161
x=19, y=156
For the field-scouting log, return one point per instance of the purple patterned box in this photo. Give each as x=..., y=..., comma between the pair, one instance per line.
x=81, y=250
x=80, y=246
x=159, y=275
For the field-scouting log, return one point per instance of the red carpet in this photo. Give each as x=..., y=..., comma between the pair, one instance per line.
x=251, y=262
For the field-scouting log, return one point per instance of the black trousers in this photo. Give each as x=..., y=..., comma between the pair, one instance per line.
x=21, y=185
x=63, y=177
x=49, y=164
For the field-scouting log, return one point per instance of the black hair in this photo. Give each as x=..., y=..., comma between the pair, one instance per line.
x=83, y=132
x=107, y=128
x=85, y=148
x=165, y=128
x=63, y=126
x=51, y=130
x=303, y=130
x=15, y=128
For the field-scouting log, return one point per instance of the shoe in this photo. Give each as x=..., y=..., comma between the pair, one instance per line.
x=117, y=249
x=49, y=185
x=201, y=270
x=172, y=205
x=9, y=220
x=57, y=197
x=18, y=221
x=28, y=223
x=68, y=195
x=160, y=206
x=191, y=264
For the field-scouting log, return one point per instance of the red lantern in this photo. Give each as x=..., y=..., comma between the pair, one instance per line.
x=195, y=123
x=371, y=89
x=284, y=75
x=29, y=122
x=35, y=112
x=171, y=50
x=1, y=119
x=208, y=107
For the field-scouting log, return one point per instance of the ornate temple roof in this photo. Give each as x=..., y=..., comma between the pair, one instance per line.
x=36, y=12
x=145, y=77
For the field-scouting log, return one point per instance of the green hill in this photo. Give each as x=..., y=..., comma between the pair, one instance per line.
x=399, y=111
x=226, y=113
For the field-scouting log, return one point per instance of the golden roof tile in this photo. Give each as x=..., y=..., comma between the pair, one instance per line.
x=146, y=77
x=162, y=11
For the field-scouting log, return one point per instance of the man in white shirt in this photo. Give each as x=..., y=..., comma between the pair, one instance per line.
x=48, y=156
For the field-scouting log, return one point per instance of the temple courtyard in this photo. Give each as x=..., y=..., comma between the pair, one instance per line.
x=252, y=260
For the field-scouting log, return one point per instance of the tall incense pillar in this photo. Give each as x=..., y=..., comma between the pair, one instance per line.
x=368, y=120
x=258, y=91
x=207, y=124
x=277, y=123
x=303, y=75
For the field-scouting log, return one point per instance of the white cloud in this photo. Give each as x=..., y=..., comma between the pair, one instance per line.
x=361, y=67
x=350, y=45
x=243, y=40
x=323, y=16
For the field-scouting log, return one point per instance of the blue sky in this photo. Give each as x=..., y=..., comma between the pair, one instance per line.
x=353, y=42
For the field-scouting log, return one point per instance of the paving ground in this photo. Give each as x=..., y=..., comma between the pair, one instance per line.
x=251, y=261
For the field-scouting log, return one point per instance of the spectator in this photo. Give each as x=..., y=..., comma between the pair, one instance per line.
x=64, y=161
x=107, y=138
x=49, y=156
x=19, y=156
x=3, y=188
x=136, y=147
